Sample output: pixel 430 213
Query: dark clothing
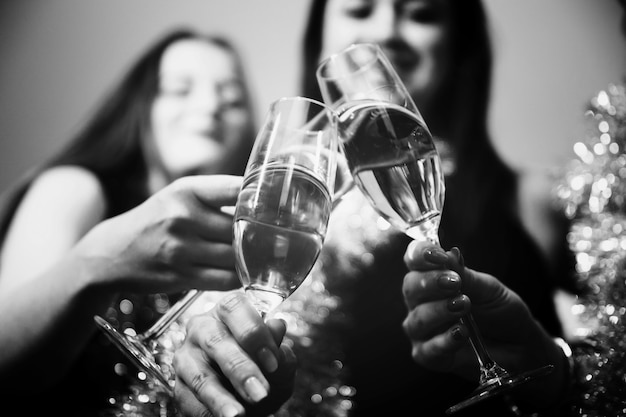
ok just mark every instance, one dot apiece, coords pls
pixel 384 374
pixel 102 377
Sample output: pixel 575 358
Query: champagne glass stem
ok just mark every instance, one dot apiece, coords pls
pixel 173 313
pixel 489 369
pixel 494 379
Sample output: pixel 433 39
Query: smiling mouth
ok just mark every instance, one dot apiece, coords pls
pixel 402 61
pixel 209 133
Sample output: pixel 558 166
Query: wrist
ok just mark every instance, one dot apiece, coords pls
pixel 92 274
pixel 568 365
pixel 551 391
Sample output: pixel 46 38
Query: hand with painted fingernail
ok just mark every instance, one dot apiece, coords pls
pixel 435 303
pixel 439 290
pixel 232 363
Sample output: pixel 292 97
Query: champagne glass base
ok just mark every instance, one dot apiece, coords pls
pixel 135 350
pixel 499 385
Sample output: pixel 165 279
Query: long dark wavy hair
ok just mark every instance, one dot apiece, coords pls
pixel 480 173
pixel 111 143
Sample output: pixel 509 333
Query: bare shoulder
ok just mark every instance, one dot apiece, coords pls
pixel 69 192
pixel 61 205
pixel 70 176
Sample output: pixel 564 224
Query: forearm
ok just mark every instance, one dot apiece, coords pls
pixel 46 321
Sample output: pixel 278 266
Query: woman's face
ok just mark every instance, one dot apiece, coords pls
pixel 415 35
pixel 200 121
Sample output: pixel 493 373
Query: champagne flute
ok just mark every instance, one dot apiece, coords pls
pixel 142 349
pixel 299 142
pixel 286 199
pixel 394 161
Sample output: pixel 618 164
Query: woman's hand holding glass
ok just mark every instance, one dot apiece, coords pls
pixel 177 239
pixel 180 238
pixel 232 341
pixel 437 295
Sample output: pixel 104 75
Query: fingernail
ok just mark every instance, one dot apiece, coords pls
pixel 449 281
pixel 411 249
pixel 457 333
pixel 456 252
pixel 435 255
pixel 229 410
pixel 456 304
pixel 268 360
pixel 255 390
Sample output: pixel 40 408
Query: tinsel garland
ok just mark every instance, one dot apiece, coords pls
pixel 592 192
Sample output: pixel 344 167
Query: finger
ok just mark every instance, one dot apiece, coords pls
pixel 480 287
pixel 204 223
pixel 278 328
pixel 215 279
pixel 189 403
pixel 420 287
pixel 287 365
pixel 249 330
pixel 227 355
pixel 199 388
pixel 213 190
pixel 439 352
pixel 215 226
pixel 186 403
pixel 456 261
pixel 282 382
pixel 424 256
pixel 210 255
pixel 430 318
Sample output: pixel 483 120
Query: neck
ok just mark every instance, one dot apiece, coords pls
pixel 157 180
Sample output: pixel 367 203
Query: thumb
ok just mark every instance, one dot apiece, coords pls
pixel 480 287
pixel 213 190
pixel 278 329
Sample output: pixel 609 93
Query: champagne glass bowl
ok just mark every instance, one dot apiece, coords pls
pixel 282 212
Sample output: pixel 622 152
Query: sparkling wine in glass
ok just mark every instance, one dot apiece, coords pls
pixel 394 162
pixel 286 199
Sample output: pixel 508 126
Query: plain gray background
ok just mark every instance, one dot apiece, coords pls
pixel 58 58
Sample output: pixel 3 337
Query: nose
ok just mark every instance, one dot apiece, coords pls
pixel 206 101
pixel 382 27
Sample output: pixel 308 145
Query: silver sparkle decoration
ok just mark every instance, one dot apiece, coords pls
pixel 592 192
